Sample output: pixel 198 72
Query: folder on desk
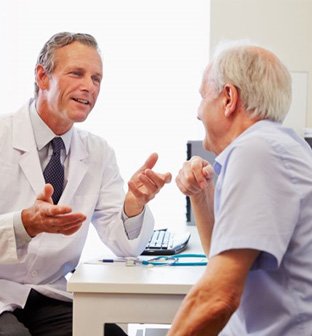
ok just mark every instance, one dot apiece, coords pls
pixel 152 332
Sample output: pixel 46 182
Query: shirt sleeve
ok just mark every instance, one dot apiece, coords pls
pixel 257 203
pixel 21 235
pixel 133 225
pixel 10 251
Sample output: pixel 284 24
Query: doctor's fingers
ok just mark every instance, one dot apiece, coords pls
pixel 59 224
pixel 55 210
pixel 152 182
pixel 70 229
pixel 64 220
pixel 143 192
pixel 43 208
pixel 156 178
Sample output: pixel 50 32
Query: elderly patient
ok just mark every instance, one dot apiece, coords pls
pixel 255 224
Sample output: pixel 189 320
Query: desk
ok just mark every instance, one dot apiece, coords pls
pixel 129 294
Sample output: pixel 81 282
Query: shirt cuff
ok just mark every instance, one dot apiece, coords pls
pixel 21 235
pixel 133 225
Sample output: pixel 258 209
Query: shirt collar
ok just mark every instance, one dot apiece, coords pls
pixel 43 134
pixel 222 157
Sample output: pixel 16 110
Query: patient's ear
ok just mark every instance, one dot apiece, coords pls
pixel 42 78
pixel 230 93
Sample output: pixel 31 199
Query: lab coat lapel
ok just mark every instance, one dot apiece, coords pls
pixel 24 142
pixel 77 167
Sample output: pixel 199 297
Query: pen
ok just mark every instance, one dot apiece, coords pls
pixel 112 260
pixel 129 260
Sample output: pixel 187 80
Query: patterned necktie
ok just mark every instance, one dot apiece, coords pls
pixel 54 171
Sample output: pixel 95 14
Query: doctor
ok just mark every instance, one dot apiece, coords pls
pixel 41 237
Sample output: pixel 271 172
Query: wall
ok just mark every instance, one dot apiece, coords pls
pixel 154 53
pixel 285 27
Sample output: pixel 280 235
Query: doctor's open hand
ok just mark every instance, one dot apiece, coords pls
pixel 143 186
pixel 44 216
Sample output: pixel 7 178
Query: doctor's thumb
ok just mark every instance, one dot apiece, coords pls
pixel 46 194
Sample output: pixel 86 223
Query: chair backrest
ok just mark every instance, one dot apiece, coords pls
pixel 195 147
pixel 309 141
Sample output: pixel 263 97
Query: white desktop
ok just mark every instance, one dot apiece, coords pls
pixel 135 294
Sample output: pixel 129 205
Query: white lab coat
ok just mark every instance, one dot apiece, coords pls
pixel 94 187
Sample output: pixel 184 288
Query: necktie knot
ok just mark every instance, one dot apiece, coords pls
pixel 57 145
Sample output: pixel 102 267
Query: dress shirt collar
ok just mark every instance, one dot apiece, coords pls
pixel 43 134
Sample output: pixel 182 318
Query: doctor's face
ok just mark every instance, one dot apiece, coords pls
pixel 69 93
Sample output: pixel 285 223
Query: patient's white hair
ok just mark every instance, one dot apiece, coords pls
pixel 263 81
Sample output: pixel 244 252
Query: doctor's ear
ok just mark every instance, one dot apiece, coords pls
pixel 42 78
pixel 230 99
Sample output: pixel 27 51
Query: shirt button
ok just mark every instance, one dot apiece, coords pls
pixel 34 274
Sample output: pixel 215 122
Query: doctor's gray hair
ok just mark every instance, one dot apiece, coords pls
pixel 263 82
pixel 59 40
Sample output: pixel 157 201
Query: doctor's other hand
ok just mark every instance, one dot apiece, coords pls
pixel 44 216
pixel 195 176
pixel 143 186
